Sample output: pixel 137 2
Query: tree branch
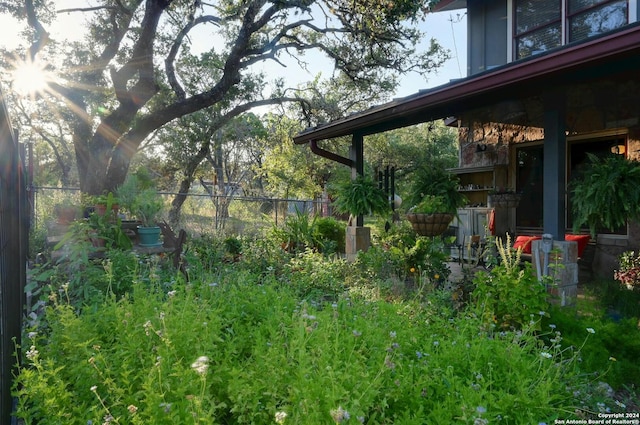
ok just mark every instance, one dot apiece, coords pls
pixel 42 36
pixel 88 9
pixel 169 61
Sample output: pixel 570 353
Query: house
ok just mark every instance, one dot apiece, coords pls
pixel 548 82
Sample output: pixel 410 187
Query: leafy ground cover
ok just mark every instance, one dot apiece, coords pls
pixel 254 334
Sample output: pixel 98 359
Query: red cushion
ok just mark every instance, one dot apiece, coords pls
pixel 582 241
pixel 525 243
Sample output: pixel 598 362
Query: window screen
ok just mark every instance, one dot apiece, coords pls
pixel 533 14
pixel 587 21
pixel 538 26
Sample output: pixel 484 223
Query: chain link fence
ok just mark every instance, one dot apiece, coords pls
pixel 201 213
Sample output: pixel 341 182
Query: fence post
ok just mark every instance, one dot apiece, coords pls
pixel 13 253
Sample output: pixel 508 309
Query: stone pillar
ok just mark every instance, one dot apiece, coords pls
pixel 558 271
pixel 358 239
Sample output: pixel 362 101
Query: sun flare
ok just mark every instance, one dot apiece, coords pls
pixel 30 77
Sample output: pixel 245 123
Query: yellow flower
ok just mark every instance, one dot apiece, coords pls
pixel 412 269
pixel 436 276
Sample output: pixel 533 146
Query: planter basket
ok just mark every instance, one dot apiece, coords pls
pixel 430 224
pixel 504 200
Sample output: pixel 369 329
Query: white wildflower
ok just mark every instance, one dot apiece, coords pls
pixel 546 355
pixel 591 330
pixel 201 365
pixel 147 327
pixel 280 417
pixel 32 354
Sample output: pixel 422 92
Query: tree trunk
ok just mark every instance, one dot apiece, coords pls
pixel 185 184
pixel 176 205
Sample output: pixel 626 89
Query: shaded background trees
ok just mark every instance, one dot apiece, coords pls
pixel 134 67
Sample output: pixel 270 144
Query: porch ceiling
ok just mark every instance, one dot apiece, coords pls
pixel 592 73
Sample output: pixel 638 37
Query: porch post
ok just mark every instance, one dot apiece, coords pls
pixel 357 163
pixel 555 162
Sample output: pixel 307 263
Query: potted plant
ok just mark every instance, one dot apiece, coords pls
pixel 106 204
pixel 66 212
pixel 435 199
pixel 605 193
pixel 147 206
pixel 142 204
pixel 102 229
pixel 503 198
pixel 431 217
pixel 358 197
pixel 127 193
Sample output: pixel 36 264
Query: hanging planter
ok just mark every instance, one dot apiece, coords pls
pixel 431 217
pixel 433 224
pixel 358 197
pixel 504 200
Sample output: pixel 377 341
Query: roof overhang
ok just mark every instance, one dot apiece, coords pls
pixel 446 5
pixel 609 53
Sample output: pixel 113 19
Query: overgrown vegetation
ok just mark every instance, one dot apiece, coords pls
pixel 254 333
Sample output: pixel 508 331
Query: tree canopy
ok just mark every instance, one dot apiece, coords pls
pixel 138 65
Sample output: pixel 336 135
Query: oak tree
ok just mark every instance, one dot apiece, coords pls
pixel 141 64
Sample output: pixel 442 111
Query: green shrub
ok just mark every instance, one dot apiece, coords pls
pixel 510 295
pixel 205 253
pixel 332 234
pixel 298 233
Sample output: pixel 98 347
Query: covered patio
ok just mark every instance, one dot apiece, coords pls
pixel 578 92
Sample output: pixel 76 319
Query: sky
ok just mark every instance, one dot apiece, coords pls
pixel 449 28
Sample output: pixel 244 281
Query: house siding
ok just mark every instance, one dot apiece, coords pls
pixel 487 29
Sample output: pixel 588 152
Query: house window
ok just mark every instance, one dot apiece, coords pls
pixel 587 18
pixel 530 182
pixel 540 25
